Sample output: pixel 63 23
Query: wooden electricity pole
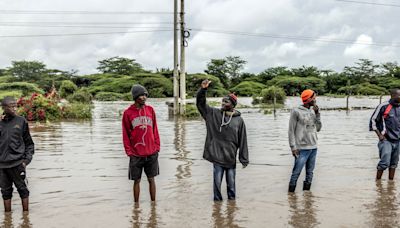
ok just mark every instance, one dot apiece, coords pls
pixel 182 62
pixel 176 65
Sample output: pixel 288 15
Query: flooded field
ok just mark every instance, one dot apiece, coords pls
pixel 79 175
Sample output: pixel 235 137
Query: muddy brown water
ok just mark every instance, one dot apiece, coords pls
pixel 78 177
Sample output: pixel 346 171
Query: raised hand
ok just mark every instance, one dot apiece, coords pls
pixel 205 84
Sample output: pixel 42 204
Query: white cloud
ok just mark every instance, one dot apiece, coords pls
pixel 361 48
pixel 307 18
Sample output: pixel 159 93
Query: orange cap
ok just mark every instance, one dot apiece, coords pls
pixel 307 96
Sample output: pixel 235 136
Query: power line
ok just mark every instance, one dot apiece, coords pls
pixel 369 3
pixel 79 12
pixel 83 34
pixel 76 26
pixel 303 38
pixel 81 23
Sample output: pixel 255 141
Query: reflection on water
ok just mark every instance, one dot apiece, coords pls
pixel 78 177
pixel 224 218
pixel 385 208
pixel 22 222
pixel 183 170
pixel 302 212
pixel 142 219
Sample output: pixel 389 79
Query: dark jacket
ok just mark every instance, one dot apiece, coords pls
pixel 16 145
pixel 389 126
pixel 223 143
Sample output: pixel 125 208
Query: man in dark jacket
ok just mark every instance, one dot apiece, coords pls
pixel 16 150
pixel 226 135
pixel 385 121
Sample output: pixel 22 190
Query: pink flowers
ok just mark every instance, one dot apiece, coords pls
pixel 39 108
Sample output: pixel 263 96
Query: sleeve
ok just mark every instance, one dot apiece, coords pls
pixel 243 149
pixel 155 131
pixel 292 129
pixel 201 103
pixel 318 123
pixel 126 132
pixel 29 145
pixel 376 118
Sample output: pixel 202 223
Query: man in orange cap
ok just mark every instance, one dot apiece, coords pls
pixel 304 123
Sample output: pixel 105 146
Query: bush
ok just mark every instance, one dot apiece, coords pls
pixel 295 85
pixel 248 88
pixel 81 96
pixel 363 89
pixel 115 85
pixel 216 88
pixel 109 96
pixel 191 111
pixel 77 110
pixel 25 87
pixel 157 86
pixel 268 94
pixel 15 94
pixel 5 79
pixel 39 108
pixel 67 88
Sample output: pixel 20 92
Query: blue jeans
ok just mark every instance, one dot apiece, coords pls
pixel 307 158
pixel 389 154
pixel 230 182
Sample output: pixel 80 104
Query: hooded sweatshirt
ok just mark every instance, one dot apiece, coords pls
pixel 303 127
pixel 16 144
pixel 223 141
pixel 140 132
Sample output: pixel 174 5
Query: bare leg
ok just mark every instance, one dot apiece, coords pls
pixel 152 188
pixel 25 204
pixel 7 205
pixel 136 190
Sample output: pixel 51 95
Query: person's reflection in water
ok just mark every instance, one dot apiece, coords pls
pixel 153 216
pixel 303 213
pixel 26 223
pixel 140 219
pixel 184 169
pixel 136 215
pixel 384 210
pixel 227 220
pixel 7 221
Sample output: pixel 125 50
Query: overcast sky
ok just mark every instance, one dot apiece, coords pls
pixel 318 19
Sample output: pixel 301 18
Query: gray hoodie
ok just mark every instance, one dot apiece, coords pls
pixel 303 127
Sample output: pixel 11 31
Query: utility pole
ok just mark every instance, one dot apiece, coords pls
pixel 182 63
pixel 176 73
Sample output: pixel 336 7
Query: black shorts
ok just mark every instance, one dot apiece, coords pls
pixel 16 175
pixel 149 164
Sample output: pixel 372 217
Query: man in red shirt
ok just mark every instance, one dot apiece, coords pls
pixel 141 141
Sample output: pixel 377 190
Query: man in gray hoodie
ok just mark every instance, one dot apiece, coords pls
pixel 226 136
pixel 304 124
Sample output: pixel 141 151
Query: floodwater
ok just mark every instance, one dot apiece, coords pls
pixel 79 176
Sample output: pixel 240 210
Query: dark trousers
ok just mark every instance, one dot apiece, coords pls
pixel 230 174
pixel 16 175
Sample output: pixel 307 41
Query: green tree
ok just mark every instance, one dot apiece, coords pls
pixel 29 71
pixel 217 67
pixel 304 71
pixel 234 65
pixel 390 69
pixel 273 72
pixel 226 69
pixel 119 65
pixel 363 71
